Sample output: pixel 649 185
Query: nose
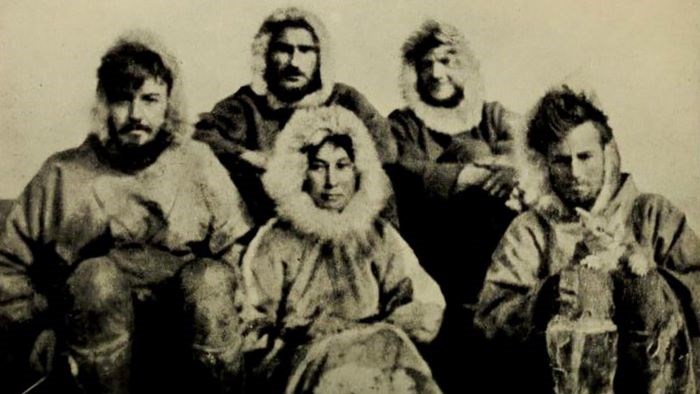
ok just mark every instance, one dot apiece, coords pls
pixel 577 169
pixel 135 110
pixel 438 71
pixel 331 178
pixel 295 58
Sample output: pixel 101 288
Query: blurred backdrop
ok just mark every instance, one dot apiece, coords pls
pixel 640 57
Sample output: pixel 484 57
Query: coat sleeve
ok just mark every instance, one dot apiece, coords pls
pixel 676 247
pixel 228 214
pixel 263 285
pixel 29 229
pixel 507 302
pixel 411 298
pixel 224 129
pixel 437 179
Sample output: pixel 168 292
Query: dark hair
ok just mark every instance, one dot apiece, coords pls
pixel 342 141
pixel 431 34
pixel 126 66
pixel 275 28
pixel 559 111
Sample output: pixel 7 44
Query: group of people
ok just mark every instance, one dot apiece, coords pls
pixel 296 240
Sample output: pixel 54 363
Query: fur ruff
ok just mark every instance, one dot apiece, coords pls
pixel 446 120
pixel 175 117
pixel 537 192
pixel 287 168
pixel 261 43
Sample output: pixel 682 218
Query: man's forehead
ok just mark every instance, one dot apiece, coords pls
pixel 149 85
pixel 440 51
pixel 582 138
pixel 295 35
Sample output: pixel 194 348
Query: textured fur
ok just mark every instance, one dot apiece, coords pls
pixel 446 120
pixel 261 44
pixel 287 167
pixel 175 118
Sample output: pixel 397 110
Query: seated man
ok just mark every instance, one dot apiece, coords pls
pixel 454 175
pixel 607 275
pixel 115 220
pixel 335 296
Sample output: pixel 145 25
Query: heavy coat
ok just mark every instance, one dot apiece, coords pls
pixel 310 269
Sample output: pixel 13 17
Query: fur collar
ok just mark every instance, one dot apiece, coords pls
pixel 446 120
pixel 287 167
pixel 175 118
pixel 260 46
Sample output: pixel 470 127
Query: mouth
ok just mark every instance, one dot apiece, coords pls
pixel 331 197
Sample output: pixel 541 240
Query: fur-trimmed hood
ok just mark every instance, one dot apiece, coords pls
pixel 446 120
pixel 288 164
pixel 537 192
pixel 175 118
pixel 260 46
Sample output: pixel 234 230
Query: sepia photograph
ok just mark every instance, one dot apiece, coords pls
pixel 389 196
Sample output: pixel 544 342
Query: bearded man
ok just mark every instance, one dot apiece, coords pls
pixel 291 69
pixel 452 180
pixel 608 275
pixel 138 218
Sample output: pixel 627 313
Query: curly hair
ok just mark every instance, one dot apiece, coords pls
pixel 559 111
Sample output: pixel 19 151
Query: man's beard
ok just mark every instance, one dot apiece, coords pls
pixel 291 95
pixel 130 157
pixel 451 102
pixel 578 199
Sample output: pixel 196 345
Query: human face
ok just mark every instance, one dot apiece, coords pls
pixel 331 178
pixel 576 166
pixel 292 59
pixel 136 117
pixel 439 77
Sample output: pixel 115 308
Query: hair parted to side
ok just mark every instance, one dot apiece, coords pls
pixel 126 66
pixel 559 111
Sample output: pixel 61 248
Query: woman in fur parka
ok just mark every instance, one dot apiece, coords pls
pixel 334 297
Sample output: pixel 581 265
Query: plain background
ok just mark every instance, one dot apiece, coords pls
pixel 641 57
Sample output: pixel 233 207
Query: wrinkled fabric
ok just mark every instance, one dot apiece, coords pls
pixel 298 287
pixel 513 305
pixel 452 233
pixel 78 207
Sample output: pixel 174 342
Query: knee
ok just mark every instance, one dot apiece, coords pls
pixel 645 303
pixel 206 279
pixel 97 284
pixel 208 289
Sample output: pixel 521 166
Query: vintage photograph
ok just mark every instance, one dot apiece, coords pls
pixel 349 196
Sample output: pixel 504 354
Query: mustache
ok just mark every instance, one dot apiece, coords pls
pixel 292 71
pixel 131 126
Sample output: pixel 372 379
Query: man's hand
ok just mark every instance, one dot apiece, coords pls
pixel 472 175
pixel 501 181
pixel 42 356
pixel 255 158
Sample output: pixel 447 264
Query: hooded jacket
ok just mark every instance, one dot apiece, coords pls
pixel 251 118
pixel 310 268
pixel 543 241
pixel 80 205
pixel 311 262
